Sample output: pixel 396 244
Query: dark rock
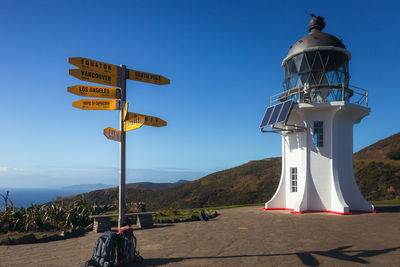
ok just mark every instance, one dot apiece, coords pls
pixel 203 216
pixel 5 241
pixel 195 218
pixel 78 230
pixel 25 239
pixel 47 238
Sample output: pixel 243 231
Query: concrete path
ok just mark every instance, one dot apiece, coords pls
pixel 243 237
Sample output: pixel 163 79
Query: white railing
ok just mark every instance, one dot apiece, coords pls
pixel 318 94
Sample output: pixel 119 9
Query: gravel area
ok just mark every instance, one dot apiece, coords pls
pixel 245 236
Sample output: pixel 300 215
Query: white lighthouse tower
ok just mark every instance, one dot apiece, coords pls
pixel 315 116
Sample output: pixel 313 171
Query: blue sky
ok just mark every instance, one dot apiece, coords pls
pixel 224 62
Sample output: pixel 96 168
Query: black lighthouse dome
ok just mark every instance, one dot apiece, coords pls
pixel 317 60
pixel 315 38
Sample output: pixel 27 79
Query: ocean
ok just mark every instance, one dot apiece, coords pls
pixel 27 197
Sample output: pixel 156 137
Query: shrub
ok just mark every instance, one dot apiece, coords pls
pixel 51 216
pixel 395 155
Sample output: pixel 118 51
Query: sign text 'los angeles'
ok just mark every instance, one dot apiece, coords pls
pixel 95 91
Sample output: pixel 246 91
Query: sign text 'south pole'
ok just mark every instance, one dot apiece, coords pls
pixel 122 146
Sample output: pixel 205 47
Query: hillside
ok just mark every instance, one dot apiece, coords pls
pixel 149 185
pixel 256 181
pixel 252 182
pixel 378 177
pixel 380 149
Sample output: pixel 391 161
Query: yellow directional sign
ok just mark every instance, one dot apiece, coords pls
pixel 93 65
pixel 135 123
pixel 125 111
pixel 95 91
pixel 112 134
pixel 147 77
pixel 95 77
pixel 96 104
pixel 148 120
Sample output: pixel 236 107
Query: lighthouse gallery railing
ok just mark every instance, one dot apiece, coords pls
pixel 318 94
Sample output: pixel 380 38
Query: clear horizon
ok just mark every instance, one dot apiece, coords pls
pixel 224 62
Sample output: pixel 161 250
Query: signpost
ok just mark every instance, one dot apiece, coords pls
pixel 112 134
pixel 97 104
pixel 148 120
pixel 94 65
pixel 122 149
pixel 133 124
pixel 125 111
pixel 95 91
pixel 95 77
pixel 147 77
pixel 113 75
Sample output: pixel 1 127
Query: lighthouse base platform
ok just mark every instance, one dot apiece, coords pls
pixel 317 163
pixel 352 212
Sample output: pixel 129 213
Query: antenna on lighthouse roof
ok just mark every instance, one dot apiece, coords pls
pixel 316 23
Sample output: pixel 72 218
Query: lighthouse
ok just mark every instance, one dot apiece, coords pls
pixel 315 115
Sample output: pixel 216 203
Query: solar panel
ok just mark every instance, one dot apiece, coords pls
pixel 277 113
pixel 267 114
pixel 287 106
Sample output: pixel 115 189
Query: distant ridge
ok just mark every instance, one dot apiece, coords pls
pixel 139 185
pixel 149 185
pixel 86 187
pixel 256 181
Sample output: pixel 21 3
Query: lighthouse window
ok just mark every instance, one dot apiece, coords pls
pixel 318 133
pixel 293 180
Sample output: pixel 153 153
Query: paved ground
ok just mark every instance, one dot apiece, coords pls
pixel 243 237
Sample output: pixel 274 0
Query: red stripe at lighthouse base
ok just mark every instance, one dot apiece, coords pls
pixel 328 211
pixel 276 209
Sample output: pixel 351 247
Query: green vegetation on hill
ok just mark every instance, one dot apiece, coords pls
pixel 378 179
pixel 256 181
pixel 394 155
pixel 149 185
pixel 377 173
pixel 380 149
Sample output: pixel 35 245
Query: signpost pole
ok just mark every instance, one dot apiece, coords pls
pixel 122 146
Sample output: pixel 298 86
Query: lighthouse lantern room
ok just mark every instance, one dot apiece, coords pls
pixel 315 115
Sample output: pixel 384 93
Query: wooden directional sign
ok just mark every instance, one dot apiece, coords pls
pixel 96 104
pixel 95 77
pixel 148 120
pixel 93 65
pixel 112 134
pixel 125 111
pixel 147 77
pixel 95 91
pixel 135 123
pixel 104 73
